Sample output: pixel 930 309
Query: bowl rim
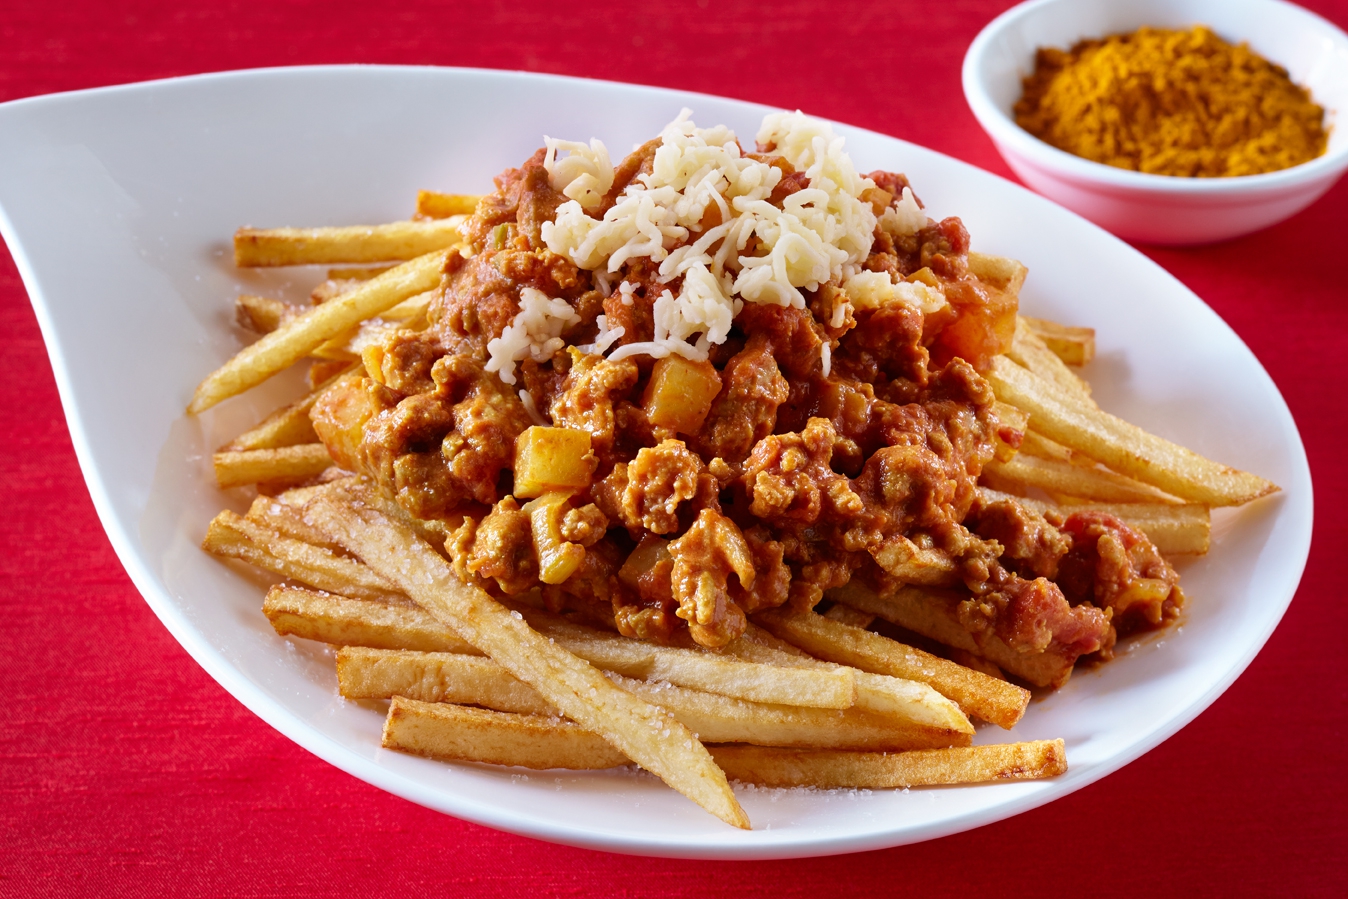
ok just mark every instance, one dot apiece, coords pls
pixel 1067 166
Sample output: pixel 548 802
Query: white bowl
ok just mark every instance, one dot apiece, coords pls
pixel 1160 209
pixel 144 184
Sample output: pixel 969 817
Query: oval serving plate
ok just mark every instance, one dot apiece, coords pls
pixel 118 205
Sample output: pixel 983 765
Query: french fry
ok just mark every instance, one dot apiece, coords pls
pixel 434 205
pixel 1075 346
pixel 1029 350
pixel 321 371
pixel 447 677
pixel 935 614
pixel 357 274
pixel 366 673
pixel 1068 479
pixel 724 719
pixel 233 536
pixel 832 688
pixel 1001 272
pixel 890 770
pixel 333 619
pixel 411 309
pixel 845 614
pixel 298 337
pixel 1036 444
pixel 234 468
pixel 880 694
pixel 341 621
pixel 455 733
pixel 642 732
pixel 977 694
pixel 288 426
pixel 262 314
pixel 1124 447
pixel 352 245
pixel 348 346
pixel 287 520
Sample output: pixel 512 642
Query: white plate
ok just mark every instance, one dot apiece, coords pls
pixel 118 206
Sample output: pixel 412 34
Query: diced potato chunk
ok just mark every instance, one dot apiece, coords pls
pixel 680 393
pixel 552 459
pixel 557 559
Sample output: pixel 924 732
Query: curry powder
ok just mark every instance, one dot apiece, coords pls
pixel 1166 102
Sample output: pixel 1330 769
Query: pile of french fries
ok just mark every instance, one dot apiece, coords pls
pixel 803 699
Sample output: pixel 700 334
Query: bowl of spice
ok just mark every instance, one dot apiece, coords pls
pixel 1165 121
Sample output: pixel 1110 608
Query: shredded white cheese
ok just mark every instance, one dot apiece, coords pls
pixel 703 216
pixel 536 332
pixel 754 252
pixel 584 175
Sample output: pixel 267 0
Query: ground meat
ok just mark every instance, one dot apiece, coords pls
pixel 502 548
pixel 886 343
pixel 1031 546
pixel 585 399
pixel 639 162
pixel 586 525
pixel 746 410
pixel 772 580
pixel 797 480
pixel 482 297
pixel 788 476
pixel 658 480
pixel 704 558
pixel 1118 568
pixel 1032 616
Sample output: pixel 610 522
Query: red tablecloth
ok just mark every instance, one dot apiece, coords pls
pixel 124 769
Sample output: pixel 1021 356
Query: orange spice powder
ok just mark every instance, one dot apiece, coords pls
pixel 1183 103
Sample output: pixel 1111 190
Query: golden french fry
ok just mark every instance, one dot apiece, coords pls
pixel 845 614
pixel 286 463
pixel 357 274
pixel 349 345
pixel 300 336
pixel 880 694
pixel 262 314
pixel 1001 272
pixel 1066 478
pixel 1124 447
pixel 233 536
pixel 288 426
pixel 881 770
pixel 981 696
pixel 825 688
pixel 351 245
pixel 435 205
pixel 455 733
pixel 287 520
pixel 935 614
pixel 367 673
pixel 642 732
pixel 448 677
pixel 1075 346
pixel 411 310
pixel 1036 444
pixel 1029 350
pixel 341 621
pixel 334 619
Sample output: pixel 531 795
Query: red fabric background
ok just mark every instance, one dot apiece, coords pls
pixel 124 770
